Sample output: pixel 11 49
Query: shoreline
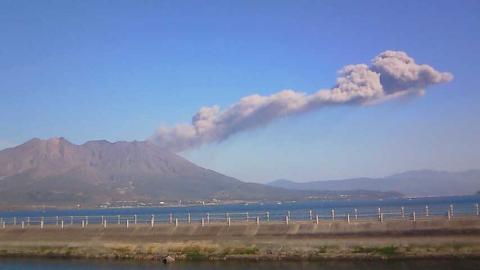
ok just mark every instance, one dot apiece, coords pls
pixel 251 258
pixel 94 207
pixel 300 241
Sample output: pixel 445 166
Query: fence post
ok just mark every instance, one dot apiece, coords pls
pixel 14 220
pixel 135 219
pixel 118 219
pixel 126 222
pixel 105 223
pixel 170 218
pixel 61 222
pixel 3 224
pixel 176 222
pixel 402 212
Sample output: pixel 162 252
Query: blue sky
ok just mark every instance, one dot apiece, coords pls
pixel 119 70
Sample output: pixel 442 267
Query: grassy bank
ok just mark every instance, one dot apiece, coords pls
pixel 299 241
pixel 260 251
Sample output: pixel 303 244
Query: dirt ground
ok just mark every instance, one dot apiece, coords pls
pixel 273 241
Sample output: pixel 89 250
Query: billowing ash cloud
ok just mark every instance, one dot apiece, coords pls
pixel 392 74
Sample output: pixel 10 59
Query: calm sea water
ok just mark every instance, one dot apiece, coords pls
pixel 51 264
pixel 438 206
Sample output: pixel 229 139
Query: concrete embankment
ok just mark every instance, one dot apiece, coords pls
pixel 268 241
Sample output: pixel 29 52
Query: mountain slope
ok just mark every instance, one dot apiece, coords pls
pixel 56 171
pixel 411 183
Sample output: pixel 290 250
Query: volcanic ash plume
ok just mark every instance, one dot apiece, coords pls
pixel 392 74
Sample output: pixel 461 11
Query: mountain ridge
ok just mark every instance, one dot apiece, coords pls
pixel 56 172
pixel 413 183
pixel 122 170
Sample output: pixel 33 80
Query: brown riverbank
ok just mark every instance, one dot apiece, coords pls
pixel 437 238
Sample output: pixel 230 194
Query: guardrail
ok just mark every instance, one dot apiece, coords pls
pixel 254 217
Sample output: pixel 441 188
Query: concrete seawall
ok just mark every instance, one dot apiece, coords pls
pixel 299 240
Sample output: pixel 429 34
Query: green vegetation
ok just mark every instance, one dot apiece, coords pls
pixel 192 253
pixel 382 251
pixel 322 249
pixel 195 255
pixel 204 252
pixel 264 252
pixel 241 251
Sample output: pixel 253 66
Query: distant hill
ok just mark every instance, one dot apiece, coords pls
pixel 411 183
pixel 57 172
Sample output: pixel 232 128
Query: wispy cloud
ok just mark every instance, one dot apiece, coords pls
pixel 391 74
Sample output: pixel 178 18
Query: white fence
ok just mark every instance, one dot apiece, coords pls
pixel 227 218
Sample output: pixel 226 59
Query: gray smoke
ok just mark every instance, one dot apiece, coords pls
pixel 392 74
